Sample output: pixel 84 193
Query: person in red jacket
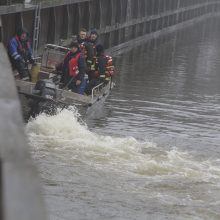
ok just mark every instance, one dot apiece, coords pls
pixel 74 68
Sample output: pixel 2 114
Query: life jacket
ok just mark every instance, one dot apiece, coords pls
pixel 20 47
pixel 23 47
pixel 109 67
pixel 73 65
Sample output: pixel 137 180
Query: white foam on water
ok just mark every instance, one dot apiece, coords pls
pixel 66 136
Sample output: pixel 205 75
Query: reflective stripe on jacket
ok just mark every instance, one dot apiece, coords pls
pixel 104 66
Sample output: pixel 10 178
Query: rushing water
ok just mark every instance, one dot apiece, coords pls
pixel 153 152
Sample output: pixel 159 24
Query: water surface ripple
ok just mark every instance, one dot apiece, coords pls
pixel 154 151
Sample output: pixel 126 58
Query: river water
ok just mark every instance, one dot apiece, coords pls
pixel 153 150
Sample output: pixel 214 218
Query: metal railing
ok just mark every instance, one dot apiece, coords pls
pixel 96 89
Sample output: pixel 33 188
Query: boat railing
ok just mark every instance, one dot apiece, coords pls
pixel 96 89
pixel 56 47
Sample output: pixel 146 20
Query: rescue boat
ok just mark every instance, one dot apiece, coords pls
pixel 43 92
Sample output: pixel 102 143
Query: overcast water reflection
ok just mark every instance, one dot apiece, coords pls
pixel 153 152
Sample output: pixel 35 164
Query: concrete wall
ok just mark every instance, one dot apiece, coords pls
pixel 118 21
pixel 20 192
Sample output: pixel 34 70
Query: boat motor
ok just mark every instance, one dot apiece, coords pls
pixel 45 88
pixel 43 100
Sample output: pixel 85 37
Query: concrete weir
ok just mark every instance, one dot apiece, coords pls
pixel 121 23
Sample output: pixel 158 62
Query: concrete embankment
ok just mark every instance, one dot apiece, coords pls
pixel 20 191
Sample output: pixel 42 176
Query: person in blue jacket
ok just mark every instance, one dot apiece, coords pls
pixel 20 52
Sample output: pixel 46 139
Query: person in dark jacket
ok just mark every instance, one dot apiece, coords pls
pixel 105 68
pixel 93 41
pixel 100 69
pixel 74 68
pixel 20 52
pixel 93 38
pixel 88 51
pixel 101 61
pixel 82 36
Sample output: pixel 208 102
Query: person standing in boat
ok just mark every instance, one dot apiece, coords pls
pixel 83 43
pixel 104 64
pixel 82 36
pixel 20 52
pixel 93 41
pixel 103 69
pixel 86 47
pixel 93 38
pixel 74 68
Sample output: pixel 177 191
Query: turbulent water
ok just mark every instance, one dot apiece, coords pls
pixel 152 151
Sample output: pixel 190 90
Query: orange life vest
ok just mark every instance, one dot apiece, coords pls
pixel 73 65
pixel 109 67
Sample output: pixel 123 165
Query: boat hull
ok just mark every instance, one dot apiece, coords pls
pixel 33 105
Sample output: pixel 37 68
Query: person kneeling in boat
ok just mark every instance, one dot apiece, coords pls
pixel 74 68
pixel 20 52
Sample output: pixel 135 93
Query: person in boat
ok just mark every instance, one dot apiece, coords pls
pixel 86 47
pixel 20 53
pixel 93 38
pixel 73 69
pixel 82 36
pixel 103 69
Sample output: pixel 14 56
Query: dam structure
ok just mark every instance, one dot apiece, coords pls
pixel 122 24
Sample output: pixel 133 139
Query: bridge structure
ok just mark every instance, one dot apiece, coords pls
pixel 120 23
